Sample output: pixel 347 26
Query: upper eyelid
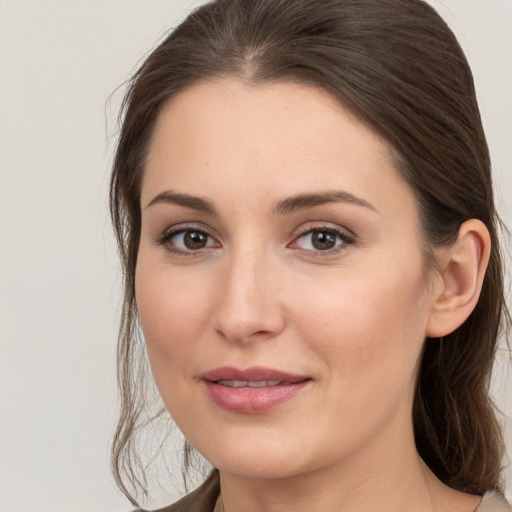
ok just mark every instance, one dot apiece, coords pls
pixel 186 226
pixel 307 227
pixel 164 240
pixel 347 237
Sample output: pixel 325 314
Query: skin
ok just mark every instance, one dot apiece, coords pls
pixel 260 293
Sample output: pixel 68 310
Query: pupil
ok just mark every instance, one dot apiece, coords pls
pixel 323 240
pixel 195 240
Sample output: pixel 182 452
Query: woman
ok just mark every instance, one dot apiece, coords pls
pixel 303 203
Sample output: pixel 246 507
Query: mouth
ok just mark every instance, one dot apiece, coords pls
pixel 251 383
pixel 253 390
pixel 258 375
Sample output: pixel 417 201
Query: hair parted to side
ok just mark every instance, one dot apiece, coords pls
pixel 398 67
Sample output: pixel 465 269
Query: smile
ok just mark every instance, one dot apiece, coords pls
pixel 252 391
pixel 250 384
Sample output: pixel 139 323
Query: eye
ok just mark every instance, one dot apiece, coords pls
pixel 187 240
pixel 322 239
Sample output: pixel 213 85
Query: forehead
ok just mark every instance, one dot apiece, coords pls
pixel 271 139
pixel 292 109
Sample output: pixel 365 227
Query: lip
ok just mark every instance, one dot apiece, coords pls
pixel 252 400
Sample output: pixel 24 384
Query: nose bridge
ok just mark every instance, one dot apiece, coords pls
pixel 248 304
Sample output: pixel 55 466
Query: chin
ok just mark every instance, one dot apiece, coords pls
pixel 252 455
pixel 261 468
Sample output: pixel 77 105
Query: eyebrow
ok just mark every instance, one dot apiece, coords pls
pixel 307 201
pixel 284 207
pixel 188 201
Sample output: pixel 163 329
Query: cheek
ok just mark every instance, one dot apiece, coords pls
pixel 368 327
pixel 173 314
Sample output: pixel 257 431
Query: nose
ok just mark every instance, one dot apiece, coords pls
pixel 249 306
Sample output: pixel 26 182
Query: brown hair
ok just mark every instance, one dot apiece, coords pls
pixel 400 69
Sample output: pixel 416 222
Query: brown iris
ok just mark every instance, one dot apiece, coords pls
pixel 323 240
pixel 195 240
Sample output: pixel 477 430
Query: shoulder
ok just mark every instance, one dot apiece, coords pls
pixel 493 502
pixel 203 499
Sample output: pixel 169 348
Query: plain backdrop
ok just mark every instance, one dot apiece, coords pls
pixel 60 61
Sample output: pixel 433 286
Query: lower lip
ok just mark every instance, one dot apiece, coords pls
pixel 249 400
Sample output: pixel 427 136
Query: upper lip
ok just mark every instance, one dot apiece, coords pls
pixel 252 374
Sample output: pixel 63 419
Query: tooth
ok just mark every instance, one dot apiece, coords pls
pixel 251 384
pixel 257 383
pixel 228 383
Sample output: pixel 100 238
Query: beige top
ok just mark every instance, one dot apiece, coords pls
pixel 206 499
pixel 491 502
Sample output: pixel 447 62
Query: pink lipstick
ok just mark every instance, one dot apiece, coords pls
pixel 253 390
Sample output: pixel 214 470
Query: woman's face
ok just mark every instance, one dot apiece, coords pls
pixel 280 279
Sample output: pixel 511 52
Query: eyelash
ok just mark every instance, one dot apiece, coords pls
pixel 165 237
pixel 345 238
pixel 340 235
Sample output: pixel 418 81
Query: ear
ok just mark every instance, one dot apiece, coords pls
pixel 460 279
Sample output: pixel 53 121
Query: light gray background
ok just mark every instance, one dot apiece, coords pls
pixel 59 276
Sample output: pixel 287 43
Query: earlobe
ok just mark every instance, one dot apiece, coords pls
pixel 461 276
